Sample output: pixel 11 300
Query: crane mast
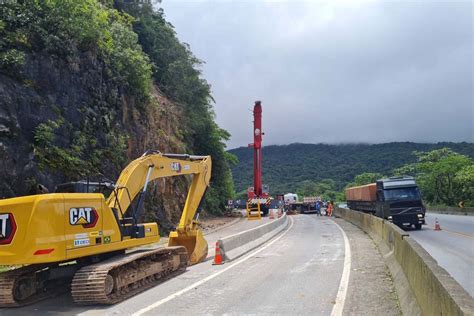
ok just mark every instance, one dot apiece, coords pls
pixel 258 194
pixel 257 148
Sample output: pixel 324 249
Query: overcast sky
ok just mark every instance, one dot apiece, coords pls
pixel 335 71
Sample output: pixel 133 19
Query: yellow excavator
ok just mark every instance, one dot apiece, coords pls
pixel 78 238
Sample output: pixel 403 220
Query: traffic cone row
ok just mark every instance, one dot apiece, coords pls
pixel 437 226
pixel 218 258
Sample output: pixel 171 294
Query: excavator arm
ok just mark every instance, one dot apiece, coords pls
pixel 133 182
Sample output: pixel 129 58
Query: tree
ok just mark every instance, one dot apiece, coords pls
pixel 306 188
pixel 366 178
pixel 464 179
pixel 177 73
pixel 442 175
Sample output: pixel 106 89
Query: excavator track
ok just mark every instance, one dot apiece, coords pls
pixel 120 277
pixel 15 285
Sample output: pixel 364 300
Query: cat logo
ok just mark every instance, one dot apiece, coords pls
pixel 85 216
pixel 176 166
pixel 7 228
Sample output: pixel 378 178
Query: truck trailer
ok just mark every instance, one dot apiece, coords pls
pixel 309 204
pixel 396 199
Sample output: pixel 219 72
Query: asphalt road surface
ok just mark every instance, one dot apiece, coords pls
pixel 452 246
pixel 306 269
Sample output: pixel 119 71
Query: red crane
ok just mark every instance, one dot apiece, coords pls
pixel 258 193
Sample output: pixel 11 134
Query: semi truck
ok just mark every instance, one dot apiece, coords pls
pixel 396 199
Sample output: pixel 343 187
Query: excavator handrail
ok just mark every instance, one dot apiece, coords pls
pixel 184 156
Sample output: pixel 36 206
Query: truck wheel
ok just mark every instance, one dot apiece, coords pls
pixel 418 226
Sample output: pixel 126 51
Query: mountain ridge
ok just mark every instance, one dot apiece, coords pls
pixel 286 166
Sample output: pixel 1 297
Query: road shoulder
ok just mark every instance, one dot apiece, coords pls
pixel 371 290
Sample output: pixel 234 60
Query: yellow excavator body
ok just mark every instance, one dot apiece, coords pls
pixel 60 227
pixel 47 230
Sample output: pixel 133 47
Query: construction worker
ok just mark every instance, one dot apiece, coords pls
pixel 330 208
pixel 318 207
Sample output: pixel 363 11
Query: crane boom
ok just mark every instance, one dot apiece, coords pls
pixel 258 194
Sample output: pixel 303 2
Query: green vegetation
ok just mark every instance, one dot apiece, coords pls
pixel 365 178
pixel 176 70
pixel 326 170
pixel 65 29
pixel 444 176
pixel 111 58
pixel 326 189
pixel 84 156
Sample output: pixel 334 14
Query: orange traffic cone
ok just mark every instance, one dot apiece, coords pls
pixel 437 227
pixel 218 257
pixel 272 216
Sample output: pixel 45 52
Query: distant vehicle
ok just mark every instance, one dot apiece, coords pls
pixel 290 198
pixel 240 204
pixel 309 204
pixel 396 199
pixel 342 205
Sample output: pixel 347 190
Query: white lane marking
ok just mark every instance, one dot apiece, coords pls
pixel 210 277
pixel 343 285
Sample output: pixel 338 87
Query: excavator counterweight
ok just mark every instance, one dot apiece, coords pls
pixel 81 236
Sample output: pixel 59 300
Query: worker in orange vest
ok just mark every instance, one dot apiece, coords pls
pixel 330 208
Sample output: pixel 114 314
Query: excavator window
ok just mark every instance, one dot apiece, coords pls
pixel 85 187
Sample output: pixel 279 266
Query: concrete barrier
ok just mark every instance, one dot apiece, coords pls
pixel 238 244
pixel 424 288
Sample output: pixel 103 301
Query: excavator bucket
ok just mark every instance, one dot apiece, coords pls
pixel 194 243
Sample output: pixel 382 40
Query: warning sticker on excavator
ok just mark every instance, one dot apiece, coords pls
pixel 107 240
pixel 176 166
pixel 95 234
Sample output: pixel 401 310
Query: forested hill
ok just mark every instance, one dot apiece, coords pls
pixel 88 85
pixel 286 167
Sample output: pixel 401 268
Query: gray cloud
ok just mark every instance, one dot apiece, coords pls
pixel 335 71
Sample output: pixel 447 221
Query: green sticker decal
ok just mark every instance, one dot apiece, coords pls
pixel 106 239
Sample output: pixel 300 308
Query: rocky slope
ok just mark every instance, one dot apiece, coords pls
pixel 79 98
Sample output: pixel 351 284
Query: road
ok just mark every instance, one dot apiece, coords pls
pixel 452 247
pixel 303 270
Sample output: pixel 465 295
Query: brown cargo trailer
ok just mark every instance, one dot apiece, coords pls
pixel 366 192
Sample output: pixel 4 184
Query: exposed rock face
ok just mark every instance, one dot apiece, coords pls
pixel 79 93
